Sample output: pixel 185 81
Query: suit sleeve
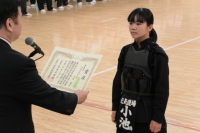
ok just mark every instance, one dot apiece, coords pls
pixel 31 88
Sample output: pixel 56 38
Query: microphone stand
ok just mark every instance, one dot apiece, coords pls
pixel 32 54
pixel 35 52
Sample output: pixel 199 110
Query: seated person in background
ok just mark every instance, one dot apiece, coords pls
pixel 41 5
pixel 64 2
pixel 32 3
pixel 90 1
pixel 87 2
pixel 24 9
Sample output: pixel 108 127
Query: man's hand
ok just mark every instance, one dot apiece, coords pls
pixel 82 95
pixel 155 127
pixel 113 116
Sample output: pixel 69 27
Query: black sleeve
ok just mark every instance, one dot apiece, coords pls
pixel 31 88
pixel 116 88
pixel 161 81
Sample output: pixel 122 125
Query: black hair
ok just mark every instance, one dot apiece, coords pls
pixel 8 9
pixel 143 15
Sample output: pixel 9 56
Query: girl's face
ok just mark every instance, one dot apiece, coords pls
pixel 139 31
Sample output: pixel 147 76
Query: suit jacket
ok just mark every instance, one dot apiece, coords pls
pixel 21 86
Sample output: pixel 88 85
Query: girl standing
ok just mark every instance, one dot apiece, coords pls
pixel 141 85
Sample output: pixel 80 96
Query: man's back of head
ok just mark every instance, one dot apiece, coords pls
pixel 8 9
pixel 10 20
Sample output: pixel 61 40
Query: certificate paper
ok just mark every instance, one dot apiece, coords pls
pixel 69 70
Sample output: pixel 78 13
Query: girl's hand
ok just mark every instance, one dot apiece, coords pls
pixel 113 116
pixel 155 127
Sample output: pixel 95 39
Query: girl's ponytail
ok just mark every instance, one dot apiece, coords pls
pixel 153 35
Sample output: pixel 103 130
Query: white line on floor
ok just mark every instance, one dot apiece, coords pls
pixel 108 19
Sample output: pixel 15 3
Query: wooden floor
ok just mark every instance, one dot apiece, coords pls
pixel 103 29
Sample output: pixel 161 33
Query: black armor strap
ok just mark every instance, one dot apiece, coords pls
pixel 136 94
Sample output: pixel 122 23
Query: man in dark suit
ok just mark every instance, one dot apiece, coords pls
pixel 20 84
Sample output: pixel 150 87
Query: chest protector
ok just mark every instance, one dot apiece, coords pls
pixel 136 77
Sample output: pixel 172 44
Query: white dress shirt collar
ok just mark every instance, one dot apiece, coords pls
pixel 5 40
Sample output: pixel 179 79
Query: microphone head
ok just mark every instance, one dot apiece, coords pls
pixel 29 41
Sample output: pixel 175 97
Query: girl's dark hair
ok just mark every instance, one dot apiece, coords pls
pixel 8 9
pixel 143 15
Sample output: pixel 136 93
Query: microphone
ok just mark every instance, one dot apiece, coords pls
pixel 29 41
